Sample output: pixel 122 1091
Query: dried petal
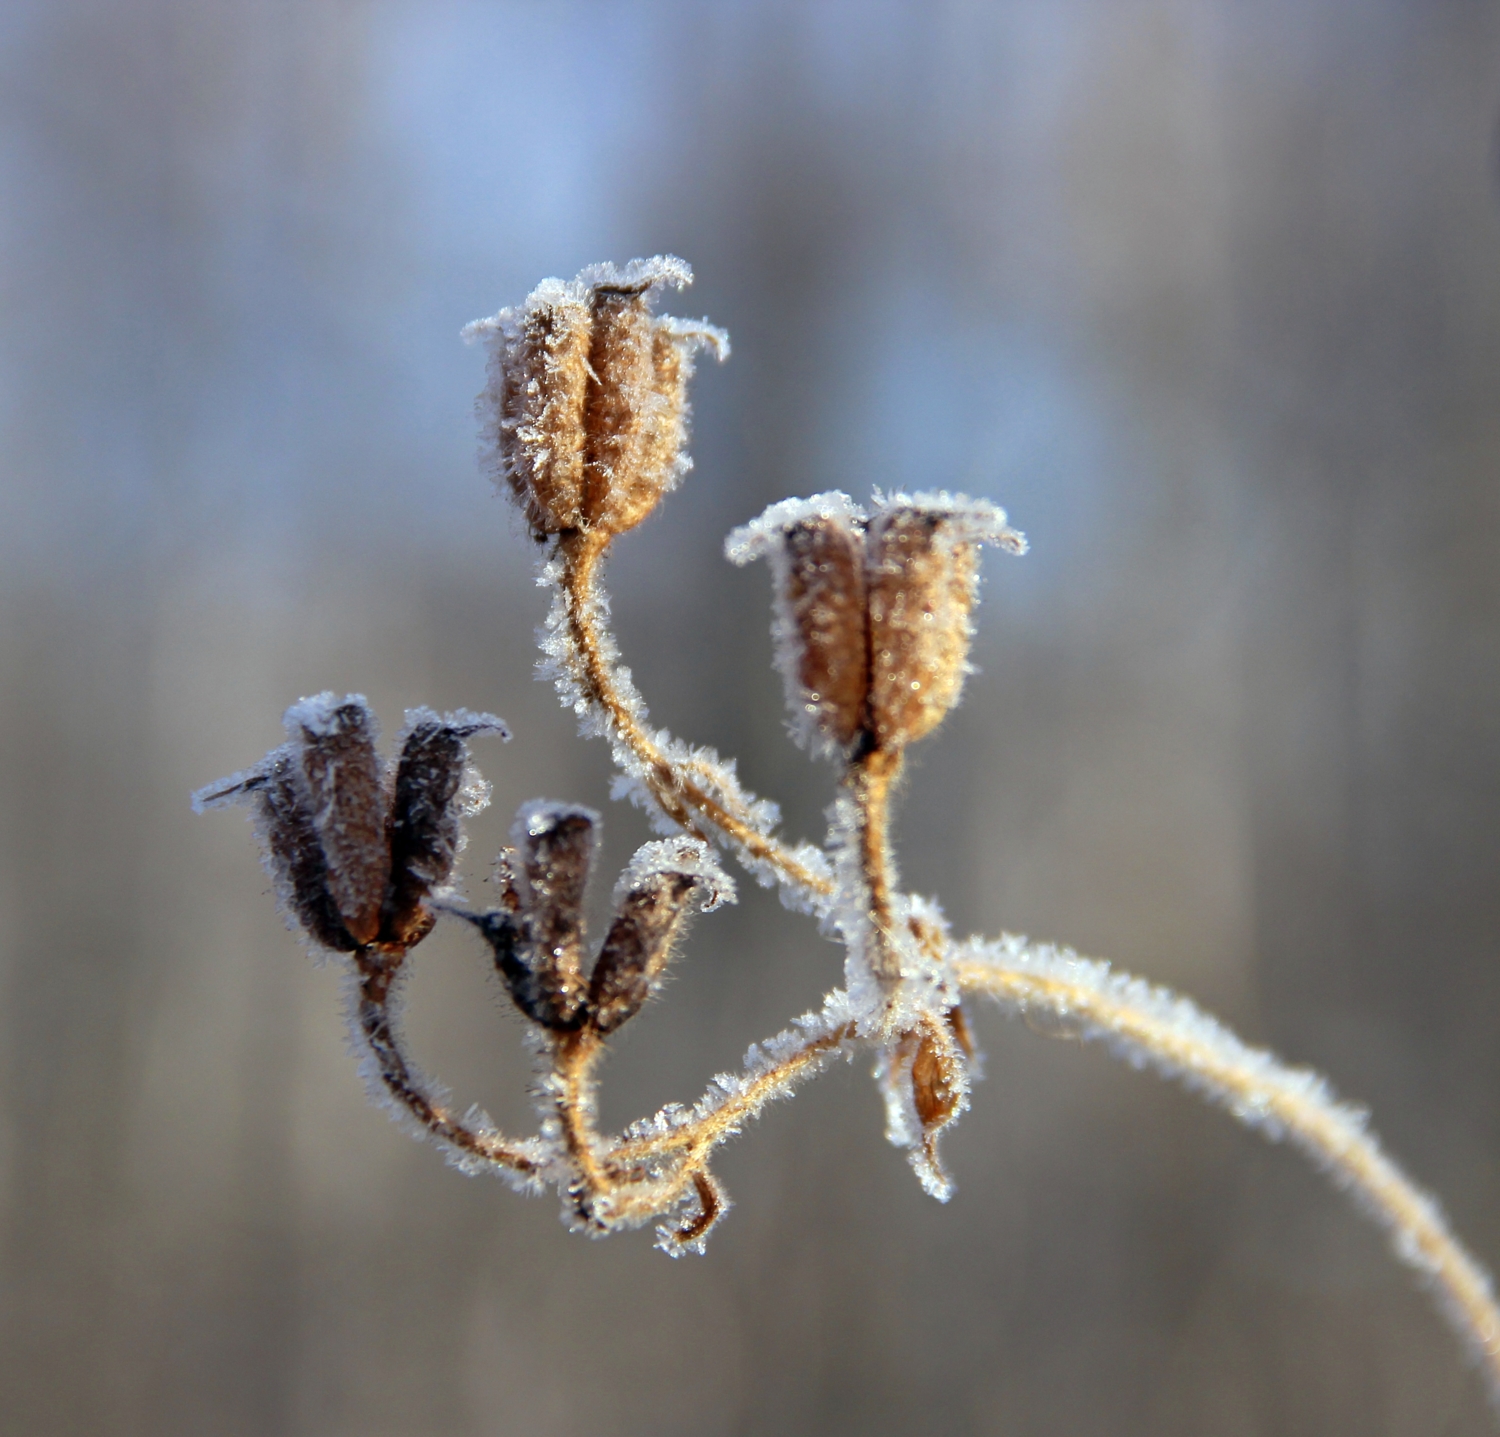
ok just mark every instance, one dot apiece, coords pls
pixel 347 800
pixel 925 1080
pixel 936 1082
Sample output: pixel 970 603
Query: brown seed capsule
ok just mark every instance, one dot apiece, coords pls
pixel 294 853
pixel 556 845
pixel 637 948
pixel 588 395
pixel 936 1081
pixel 618 414
pixel 423 827
pixel 537 937
pixel 347 800
pixel 825 598
pixel 922 573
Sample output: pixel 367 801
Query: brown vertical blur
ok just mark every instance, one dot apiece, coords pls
pixel 1207 294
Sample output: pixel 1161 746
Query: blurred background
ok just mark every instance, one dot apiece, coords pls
pixel 1205 293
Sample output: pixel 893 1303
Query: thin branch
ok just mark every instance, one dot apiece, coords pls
pixel 684 801
pixel 376 976
pixel 1150 1025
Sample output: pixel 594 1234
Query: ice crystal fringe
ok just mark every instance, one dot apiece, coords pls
pixel 1149 1026
pixel 586 416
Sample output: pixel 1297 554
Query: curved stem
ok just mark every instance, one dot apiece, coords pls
pixel 681 799
pixel 1144 1022
pixel 574 1059
pixel 376 976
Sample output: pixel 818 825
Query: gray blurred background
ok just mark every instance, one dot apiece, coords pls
pixel 1205 292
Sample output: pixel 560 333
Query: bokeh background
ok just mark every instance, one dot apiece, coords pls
pixel 1206 293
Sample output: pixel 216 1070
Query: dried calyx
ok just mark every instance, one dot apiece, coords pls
pixel 537 934
pixel 586 408
pixel 872 610
pixel 356 845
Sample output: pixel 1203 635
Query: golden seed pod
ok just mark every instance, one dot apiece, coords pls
pixel 588 396
pixel 922 574
pixel 542 372
pixel 872 614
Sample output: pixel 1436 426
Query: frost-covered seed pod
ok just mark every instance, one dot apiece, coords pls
pixel 588 396
pixel 347 799
pixel 922 574
pixel 936 1082
pixel 637 948
pixel 663 882
pixel 872 614
pixel 537 938
pixel 423 828
pixel 556 847
pixel 619 413
pixel 816 549
pixel 824 592
pixel 293 850
pixel 541 372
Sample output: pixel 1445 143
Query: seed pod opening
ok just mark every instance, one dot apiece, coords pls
pixel 922 574
pixel 347 798
pixel 586 403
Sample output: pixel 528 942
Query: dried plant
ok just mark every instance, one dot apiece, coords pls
pixel 586 416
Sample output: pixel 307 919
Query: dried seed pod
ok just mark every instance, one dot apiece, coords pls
pixel 936 1079
pixel 293 851
pixel 664 882
pixel 347 799
pixel 555 842
pixel 423 827
pixel 618 413
pixel 541 372
pixel 537 937
pixel 587 394
pixel 530 983
pixel 925 1080
pixel 922 574
pixel 637 948
pixel 816 548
